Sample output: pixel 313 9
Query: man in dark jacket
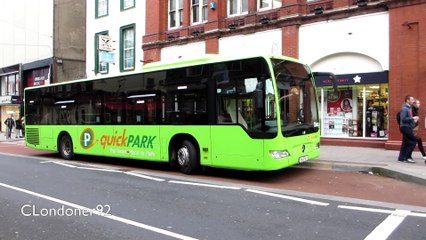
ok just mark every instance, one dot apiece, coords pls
pixel 10 124
pixel 406 125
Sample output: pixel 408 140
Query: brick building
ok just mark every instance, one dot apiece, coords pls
pixel 374 47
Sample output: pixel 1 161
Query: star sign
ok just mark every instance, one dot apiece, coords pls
pixel 357 79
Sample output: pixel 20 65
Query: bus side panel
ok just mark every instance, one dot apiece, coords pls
pixel 139 142
pixel 91 139
pixel 299 148
pixel 136 142
pixel 40 137
pixel 304 146
pixel 201 134
pixel 233 148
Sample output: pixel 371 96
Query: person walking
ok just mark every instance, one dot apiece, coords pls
pixel 18 123
pixel 407 123
pixel 10 124
pixel 416 107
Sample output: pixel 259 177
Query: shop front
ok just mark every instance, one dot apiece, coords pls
pixel 358 109
pixel 10 99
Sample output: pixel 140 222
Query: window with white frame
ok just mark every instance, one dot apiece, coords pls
pixel 269 4
pixel 236 7
pixel 199 11
pixel 127 48
pixel 126 4
pixel 175 13
pixel 101 8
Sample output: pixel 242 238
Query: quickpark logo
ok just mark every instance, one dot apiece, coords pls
pixel 88 140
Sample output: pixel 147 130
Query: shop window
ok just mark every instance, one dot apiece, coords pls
pixel 376 111
pixel 355 111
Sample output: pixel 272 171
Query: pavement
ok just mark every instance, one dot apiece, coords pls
pixel 375 161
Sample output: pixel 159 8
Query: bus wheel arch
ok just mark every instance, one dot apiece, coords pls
pixel 65 146
pixel 184 153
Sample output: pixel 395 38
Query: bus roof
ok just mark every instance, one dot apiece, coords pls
pixel 162 65
pixel 208 58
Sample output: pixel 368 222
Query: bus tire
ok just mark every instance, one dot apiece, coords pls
pixel 66 148
pixel 187 157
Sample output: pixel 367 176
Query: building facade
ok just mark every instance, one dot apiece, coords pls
pixel 38 49
pixel 374 47
pixel 22 40
pixel 114 37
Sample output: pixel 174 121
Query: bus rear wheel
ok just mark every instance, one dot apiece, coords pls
pixel 66 147
pixel 187 157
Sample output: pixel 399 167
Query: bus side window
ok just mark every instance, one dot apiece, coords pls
pixel 223 116
pixel 236 117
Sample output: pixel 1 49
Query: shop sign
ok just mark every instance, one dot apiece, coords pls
pixel 5 99
pixel 355 79
pixel 10 100
pixel 107 57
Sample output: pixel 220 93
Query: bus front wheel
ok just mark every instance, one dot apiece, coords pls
pixel 66 147
pixel 187 157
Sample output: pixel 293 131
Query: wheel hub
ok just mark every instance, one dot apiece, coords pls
pixel 183 156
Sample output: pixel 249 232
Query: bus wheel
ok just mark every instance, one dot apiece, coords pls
pixel 66 147
pixel 187 157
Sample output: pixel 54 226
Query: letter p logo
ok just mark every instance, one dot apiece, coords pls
pixel 87 138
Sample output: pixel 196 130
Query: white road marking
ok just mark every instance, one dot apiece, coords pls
pixel 204 185
pixel 100 169
pixel 64 164
pixel 414 214
pixel 385 229
pixel 105 170
pixel 388 211
pixel 84 168
pixel 145 176
pixel 366 209
pixel 112 217
pixel 288 197
pixel 46 162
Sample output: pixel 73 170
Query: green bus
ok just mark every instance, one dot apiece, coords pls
pixel 247 113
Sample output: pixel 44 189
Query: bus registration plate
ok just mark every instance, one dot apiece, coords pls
pixel 303 159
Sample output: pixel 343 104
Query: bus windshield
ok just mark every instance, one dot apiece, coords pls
pixel 297 101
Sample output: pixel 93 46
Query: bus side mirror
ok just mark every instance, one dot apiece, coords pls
pixel 327 75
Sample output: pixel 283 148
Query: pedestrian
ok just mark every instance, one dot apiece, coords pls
pixel 10 124
pixel 415 108
pixel 406 125
pixel 18 123
pixel 23 126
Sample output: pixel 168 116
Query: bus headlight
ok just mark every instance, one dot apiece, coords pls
pixel 278 154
